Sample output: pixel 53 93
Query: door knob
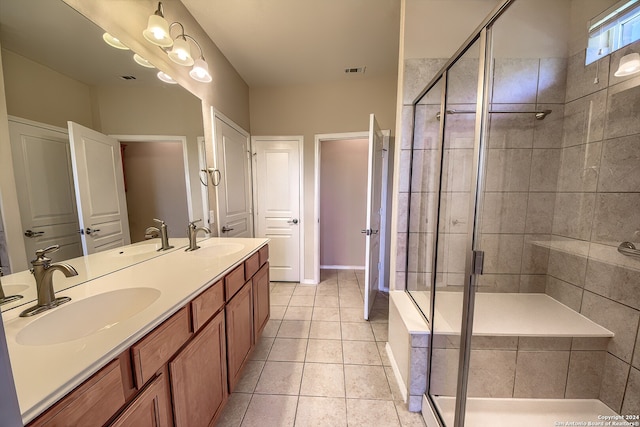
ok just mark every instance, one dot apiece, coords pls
pixel 33 234
pixel 92 230
pixel 293 221
pixel 225 229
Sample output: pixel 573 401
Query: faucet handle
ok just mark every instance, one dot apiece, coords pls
pixel 41 259
pixel 193 223
pixel 40 253
pixel 159 221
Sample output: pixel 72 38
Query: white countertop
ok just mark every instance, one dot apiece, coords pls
pixel 45 373
pixel 88 268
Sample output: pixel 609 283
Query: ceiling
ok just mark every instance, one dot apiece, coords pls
pixel 294 42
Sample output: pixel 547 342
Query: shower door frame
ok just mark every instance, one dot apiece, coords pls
pixel 473 257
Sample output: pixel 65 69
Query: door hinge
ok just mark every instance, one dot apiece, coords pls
pixel 478 262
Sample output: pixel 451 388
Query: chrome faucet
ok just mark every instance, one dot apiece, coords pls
pixel 161 232
pixel 3 298
pixel 43 273
pixel 192 232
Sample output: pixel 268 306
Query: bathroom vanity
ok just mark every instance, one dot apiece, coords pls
pixel 159 343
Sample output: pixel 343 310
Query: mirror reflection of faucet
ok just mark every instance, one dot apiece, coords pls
pixel 161 232
pixel 43 273
pixel 192 232
pixel 4 299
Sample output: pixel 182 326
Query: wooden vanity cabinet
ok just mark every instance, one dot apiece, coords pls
pixel 151 408
pixel 182 372
pixel 261 301
pixel 91 404
pixel 240 340
pixel 199 377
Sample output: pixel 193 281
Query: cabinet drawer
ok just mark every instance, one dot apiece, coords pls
pixel 251 266
pixel 207 304
pixel 155 350
pixel 91 404
pixel 264 254
pixel 233 282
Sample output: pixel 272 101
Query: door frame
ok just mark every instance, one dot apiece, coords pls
pixel 166 138
pixel 319 139
pixel 300 140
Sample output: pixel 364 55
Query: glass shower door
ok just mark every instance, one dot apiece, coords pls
pixel 453 241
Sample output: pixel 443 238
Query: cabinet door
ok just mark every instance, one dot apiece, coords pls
pixel 199 377
pixel 239 317
pixel 91 404
pixel 260 300
pixel 150 408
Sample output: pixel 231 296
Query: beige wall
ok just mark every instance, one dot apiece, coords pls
pixel 38 93
pixel 154 175
pixel 343 202
pixel 315 109
pixel 166 110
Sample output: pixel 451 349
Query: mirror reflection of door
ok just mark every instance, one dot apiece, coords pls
pixel 99 186
pixel 44 182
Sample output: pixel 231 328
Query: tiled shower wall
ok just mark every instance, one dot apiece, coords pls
pixel 598 203
pixel 523 161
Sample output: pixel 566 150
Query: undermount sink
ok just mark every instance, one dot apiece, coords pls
pixel 88 316
pixel 219 249
pixel 134 250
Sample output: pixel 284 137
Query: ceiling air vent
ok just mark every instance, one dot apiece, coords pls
pixel 128 77
pixel 355 70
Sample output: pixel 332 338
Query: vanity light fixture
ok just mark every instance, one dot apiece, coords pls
pixel 158 32
pixel 141 61
pixel 113 42
pixel 166 78
pixel 629 64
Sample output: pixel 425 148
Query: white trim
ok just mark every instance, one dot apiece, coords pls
pixel 38 124
pixel 428 415
pixel 300 139
pixel 227 120
pixel 204 189
pixel 319 138
pixel 342 267
pixel 384 260
pixel 185 158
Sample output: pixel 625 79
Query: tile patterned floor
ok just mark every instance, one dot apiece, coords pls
pixel 319 363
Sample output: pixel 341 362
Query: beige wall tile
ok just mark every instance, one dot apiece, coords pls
pixel 552 80
pixel 619 319
pixel 504 212
pixel 507 89
pixel 508 170
pixel 492 373
pixel 568 267
pixel 620 159
pixel 615 219
pixel 574 215
pixel 544 343
pixel 540 209
pixel 585 374
pixel 541 374
pixel 579 168
pixel 584 119
pixel 631 402
pixel 623 109
pixel 614 282
pixel 614 380
pixel 545 168
pixel 548 132
pixel 581 77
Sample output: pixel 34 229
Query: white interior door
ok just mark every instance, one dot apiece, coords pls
pixel 233 191
pixel 372 230
pixel 44 183
pixel 98 174
pixel 277 189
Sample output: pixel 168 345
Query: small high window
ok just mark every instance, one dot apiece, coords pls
pixel 613 29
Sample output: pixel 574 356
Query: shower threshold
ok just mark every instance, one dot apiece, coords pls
pixel 483 412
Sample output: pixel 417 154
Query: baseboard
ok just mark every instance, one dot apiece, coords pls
pixel 396 372
pixel 308 282
pixel 342 267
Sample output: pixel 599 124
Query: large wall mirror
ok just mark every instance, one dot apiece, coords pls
pixel 57 69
